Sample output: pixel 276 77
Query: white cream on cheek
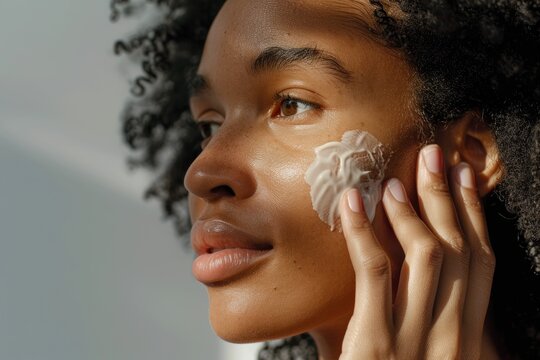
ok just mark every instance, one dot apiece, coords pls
pixel 357 161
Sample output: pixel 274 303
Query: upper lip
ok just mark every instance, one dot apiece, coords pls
pixel 207 235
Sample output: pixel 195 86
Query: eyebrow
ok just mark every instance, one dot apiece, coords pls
pixel 279 59
pixel 196 83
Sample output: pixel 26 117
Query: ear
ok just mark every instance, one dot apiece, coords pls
pixel 469 139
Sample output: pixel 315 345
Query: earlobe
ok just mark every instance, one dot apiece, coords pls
pixel 469 139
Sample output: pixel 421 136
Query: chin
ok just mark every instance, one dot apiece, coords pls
pixel 237 317
pixel 239 331
pixel 244 328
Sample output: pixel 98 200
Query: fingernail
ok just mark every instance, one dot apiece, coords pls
pixel 353 198
pixel 464 175
pixel 397 190
pixel 433 159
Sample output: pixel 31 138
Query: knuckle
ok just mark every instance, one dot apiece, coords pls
pixel 431 254
pixel 381 349
pixel 458 245
pixel 377 264
pixel 402 219
pixel 384 350
pixel 361 224
pixel 485 258
pixel 462 256
pixel 474 205
pixel 438 188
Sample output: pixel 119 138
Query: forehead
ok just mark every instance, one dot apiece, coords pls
pixel 265 15
pixel 247 26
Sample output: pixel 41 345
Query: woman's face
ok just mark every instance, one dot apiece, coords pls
pixel 282 77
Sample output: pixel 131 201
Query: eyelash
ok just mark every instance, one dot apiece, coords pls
pixel 203 126
pixel 279 98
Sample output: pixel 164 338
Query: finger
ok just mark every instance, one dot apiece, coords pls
pixel 419 276
pixel 438 211
pixel 482 262
pixel 371 322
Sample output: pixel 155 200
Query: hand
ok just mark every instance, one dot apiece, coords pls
pixel 445 281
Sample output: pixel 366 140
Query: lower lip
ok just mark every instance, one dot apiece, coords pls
pixel 224 264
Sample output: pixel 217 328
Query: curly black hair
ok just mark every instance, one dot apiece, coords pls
pixel 480 55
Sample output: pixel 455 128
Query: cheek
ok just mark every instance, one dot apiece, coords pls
pixel 313 261
pixel 308 251
pixel 281 187
pixel 403 166
pixel 357 161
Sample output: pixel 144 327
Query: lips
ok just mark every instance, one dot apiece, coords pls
pixel 214 235
pixel 224 251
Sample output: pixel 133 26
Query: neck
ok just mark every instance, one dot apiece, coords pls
pixel 330 338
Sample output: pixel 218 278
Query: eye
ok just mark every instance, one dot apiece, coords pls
pixel 290 106
pixel 207 128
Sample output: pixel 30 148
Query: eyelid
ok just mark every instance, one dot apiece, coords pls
pixel 203 123
pixel 280 97
pixel 207 115
pixel 289 96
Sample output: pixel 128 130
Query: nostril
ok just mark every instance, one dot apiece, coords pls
pixel 222 190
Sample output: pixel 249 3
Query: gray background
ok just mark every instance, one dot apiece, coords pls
pixel 88 270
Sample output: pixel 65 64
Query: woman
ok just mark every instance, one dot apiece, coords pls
pixel 277 84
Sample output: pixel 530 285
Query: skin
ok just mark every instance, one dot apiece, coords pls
pixel 340 287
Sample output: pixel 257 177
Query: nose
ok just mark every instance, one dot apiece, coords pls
pixel 221 171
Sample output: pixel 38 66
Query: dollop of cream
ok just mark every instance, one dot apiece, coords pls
pixel 357 161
